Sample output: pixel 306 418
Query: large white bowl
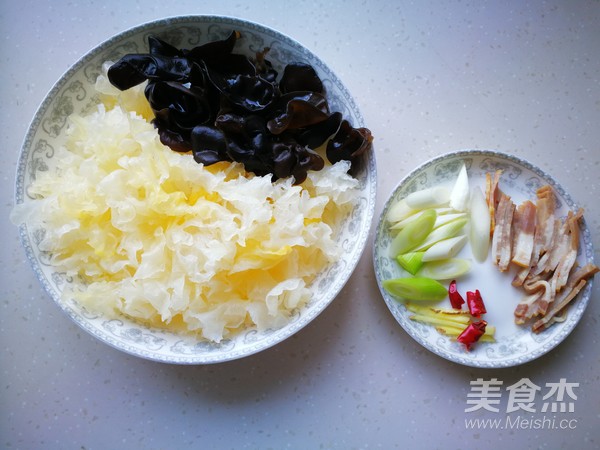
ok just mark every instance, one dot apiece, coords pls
pixel 74 93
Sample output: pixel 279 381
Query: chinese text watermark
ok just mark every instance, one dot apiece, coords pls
pixel 552 400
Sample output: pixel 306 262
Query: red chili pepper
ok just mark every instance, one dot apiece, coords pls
pixel 472 333
pixel 456 299
pixel 475 303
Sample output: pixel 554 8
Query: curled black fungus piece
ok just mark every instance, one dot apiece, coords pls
pixel 157 46
pixel 284 160
pixel 317 135
pixel 174 140
pixel 134 69
pixel 251 93
pixel 235 77
pixel 301 109
pixel 208 145
pixel 307 160
pixel 177 110
pixel 248 141
pixel 215 49
pixel 300 77
pixel 177 105
pixel 295 159
pixel 349 144
pixel 244 127
pixel 224 106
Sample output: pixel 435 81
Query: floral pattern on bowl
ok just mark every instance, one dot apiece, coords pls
pixel 74 92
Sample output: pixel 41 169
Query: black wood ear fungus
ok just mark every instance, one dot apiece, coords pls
pixel 224 106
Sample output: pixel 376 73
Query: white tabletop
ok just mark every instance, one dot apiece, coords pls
pixel 429 77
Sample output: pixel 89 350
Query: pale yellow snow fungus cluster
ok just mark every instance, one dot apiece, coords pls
pixel 157 237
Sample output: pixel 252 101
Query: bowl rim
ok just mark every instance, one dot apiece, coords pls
pixel 202 358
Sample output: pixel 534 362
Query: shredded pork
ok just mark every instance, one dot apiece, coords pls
pixel 502 237
pixel 544 249
pixel 523 243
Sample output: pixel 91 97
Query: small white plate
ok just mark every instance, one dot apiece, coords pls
pixel 514 344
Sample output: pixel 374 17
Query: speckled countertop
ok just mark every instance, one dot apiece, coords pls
pixel 430 77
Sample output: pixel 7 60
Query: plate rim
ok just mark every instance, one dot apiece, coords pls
pixel 587 249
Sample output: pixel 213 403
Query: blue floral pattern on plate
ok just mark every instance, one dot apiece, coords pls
pixel 514 344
